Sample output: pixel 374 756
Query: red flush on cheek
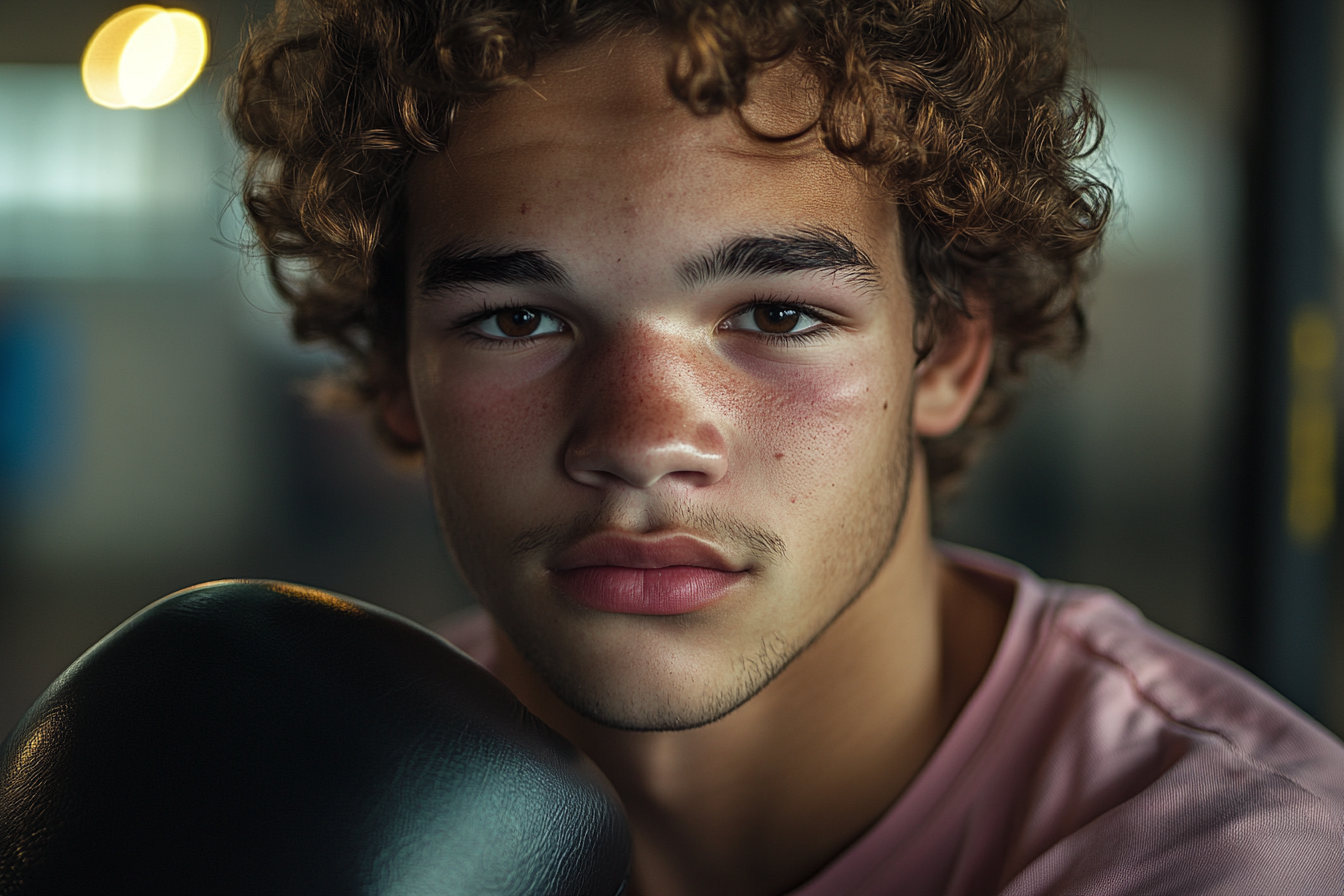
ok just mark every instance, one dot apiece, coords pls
pixel 824 390
pixel 816 410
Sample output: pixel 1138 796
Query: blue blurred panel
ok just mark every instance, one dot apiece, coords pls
pixel 37 398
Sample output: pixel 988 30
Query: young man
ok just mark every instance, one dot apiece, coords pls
pixel 687 305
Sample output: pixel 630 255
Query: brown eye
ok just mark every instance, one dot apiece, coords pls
pixel 775 319
pixel 518 325
pixel 517 322
pixel 785 322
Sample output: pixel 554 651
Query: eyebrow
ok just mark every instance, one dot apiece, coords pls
pixel 808 249
pixel 456 266
pixel 821 249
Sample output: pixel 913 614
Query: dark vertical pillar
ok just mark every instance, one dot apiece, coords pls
pixel 1287 467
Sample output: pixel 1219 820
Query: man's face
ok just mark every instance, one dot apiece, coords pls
pixel 662 371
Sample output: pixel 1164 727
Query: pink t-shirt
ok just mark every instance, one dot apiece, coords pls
pixel 1100 755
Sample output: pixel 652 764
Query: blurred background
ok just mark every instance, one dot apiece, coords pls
pixel 153 432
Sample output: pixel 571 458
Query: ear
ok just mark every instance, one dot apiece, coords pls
pixel 949 380
pixel 397 410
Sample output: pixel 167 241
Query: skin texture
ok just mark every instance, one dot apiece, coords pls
pixel 755 737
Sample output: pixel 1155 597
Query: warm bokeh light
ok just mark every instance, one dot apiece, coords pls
pixel 144 57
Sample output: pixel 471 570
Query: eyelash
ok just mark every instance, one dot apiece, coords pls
pixel 823 330
pixel 485 312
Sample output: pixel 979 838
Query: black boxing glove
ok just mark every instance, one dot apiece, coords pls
pixel 257 737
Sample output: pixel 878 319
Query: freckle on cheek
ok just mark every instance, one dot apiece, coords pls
pixel 496 418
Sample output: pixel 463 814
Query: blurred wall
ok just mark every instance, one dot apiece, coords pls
pixel 1113 475
pixel 152 430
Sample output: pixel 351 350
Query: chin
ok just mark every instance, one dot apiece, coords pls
pixel 659 693
pixel 646 710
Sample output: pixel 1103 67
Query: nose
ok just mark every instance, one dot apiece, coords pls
pixel 646 417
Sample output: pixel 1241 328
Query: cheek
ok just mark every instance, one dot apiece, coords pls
pixel 823 433
pixel 485 432
pixel 836 443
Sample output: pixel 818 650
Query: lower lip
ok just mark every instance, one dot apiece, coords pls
pixel 667 591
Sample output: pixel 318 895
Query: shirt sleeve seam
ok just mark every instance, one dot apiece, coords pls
pixel 1084 643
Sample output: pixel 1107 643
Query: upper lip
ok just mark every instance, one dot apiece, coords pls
pixel 620 549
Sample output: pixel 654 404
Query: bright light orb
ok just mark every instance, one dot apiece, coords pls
pixel 144 57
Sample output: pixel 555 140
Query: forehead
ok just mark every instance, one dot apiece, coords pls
pixel 616 90
pixel 595 133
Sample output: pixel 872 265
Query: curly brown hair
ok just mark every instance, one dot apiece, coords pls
pixel 962 109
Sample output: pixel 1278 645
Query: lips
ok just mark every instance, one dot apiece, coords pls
pixel 648 577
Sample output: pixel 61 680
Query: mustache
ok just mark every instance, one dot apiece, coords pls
pixel 708 523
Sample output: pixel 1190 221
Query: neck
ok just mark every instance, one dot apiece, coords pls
pixel 760 800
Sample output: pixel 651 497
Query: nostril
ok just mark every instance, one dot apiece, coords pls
pixel 693 453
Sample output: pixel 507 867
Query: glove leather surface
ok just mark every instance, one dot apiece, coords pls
pixel 258 737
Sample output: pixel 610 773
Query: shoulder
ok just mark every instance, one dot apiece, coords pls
pixel 1100 754
pixel 1207 701
pixel 1216 783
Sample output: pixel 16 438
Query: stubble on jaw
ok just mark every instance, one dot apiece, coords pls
pixel 854 556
